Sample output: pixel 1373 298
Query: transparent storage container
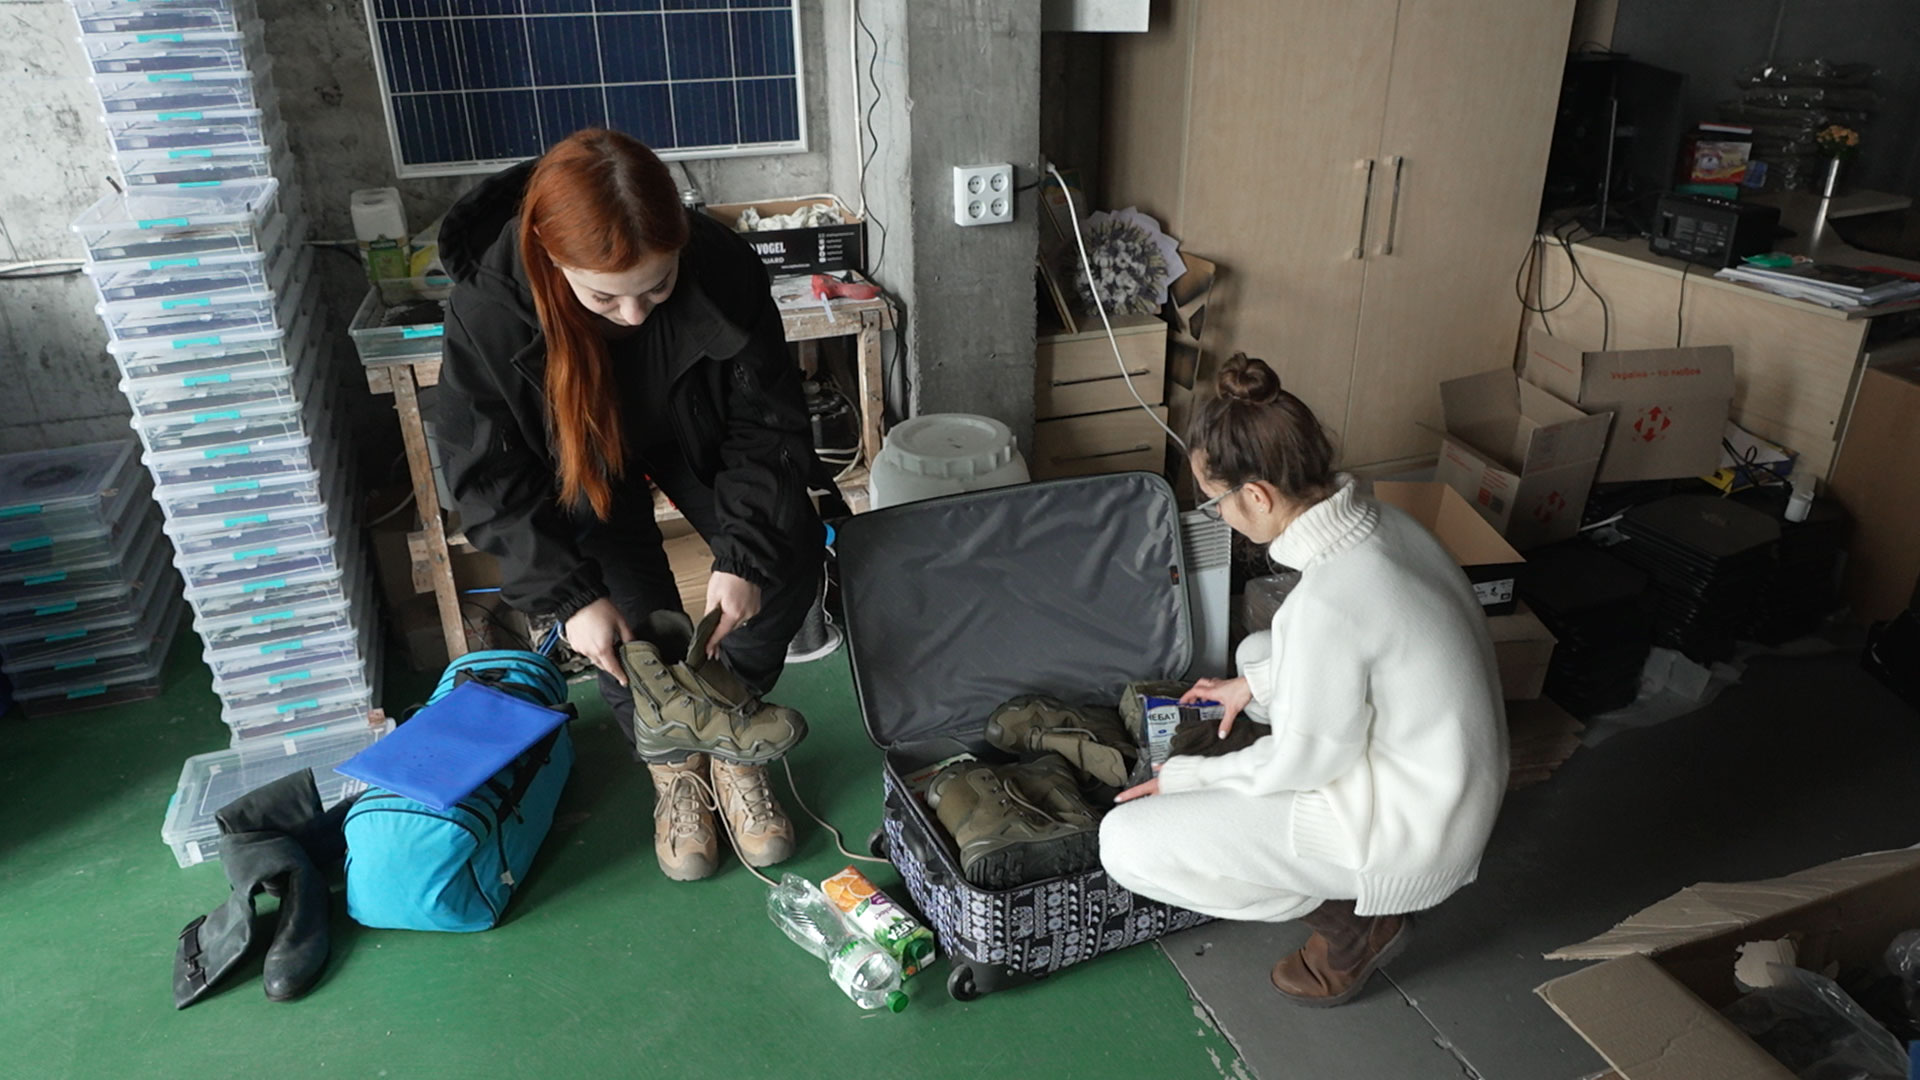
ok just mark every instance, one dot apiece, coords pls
pixel 134 547
pixel 77 615
pixel 399 321
pixel 296 706
pixel 181 91
pixel 281 639
pixel 279 346
pixel 85 564
pixel 161 51
pixel 150 19
pixel 234 129
pixel 270 596
pixel 164 427
pixel 257 464
pixel 43 491
pixel 198 453
pixel 350 660
pixel 215 584
pixel 250 543
pixel 76 648
pixel 211 781
pixel 137 284
pixel 203 166
pixel 270 505
pixel 216 382
pixel 225 303
pixel 70 542
pixel 92 681
pixel 171 223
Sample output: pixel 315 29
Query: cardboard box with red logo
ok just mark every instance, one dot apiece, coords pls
pixel 1670 405
pixel 1520 456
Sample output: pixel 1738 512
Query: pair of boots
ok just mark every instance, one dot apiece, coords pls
pixel 278 840
pixel 1016 823
pixel 686 797
pixel 708 738
pixel 1343 953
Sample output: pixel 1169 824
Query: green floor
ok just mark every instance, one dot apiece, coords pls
pixel 604 968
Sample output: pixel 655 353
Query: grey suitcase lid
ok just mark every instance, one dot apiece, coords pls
pixel 1067 587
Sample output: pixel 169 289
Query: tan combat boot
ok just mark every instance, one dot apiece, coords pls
pixel 762 834
pixel 684 836
pixel 685 702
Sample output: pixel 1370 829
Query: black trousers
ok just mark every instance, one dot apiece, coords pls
pixel 633 562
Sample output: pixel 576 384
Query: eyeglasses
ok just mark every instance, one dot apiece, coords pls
pixel 1211 507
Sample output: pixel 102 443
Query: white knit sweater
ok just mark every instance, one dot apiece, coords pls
pixel 1385 703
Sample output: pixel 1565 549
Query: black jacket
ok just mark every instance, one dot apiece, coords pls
pixel 738 414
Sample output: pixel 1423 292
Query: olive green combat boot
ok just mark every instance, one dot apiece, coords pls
pixel 1004 839
pixel 684 702
pixel 1090 737
pixel 1049 783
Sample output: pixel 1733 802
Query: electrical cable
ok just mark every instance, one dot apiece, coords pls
pixel 404 504
pixel 893 378
pixel 1606 313
pixel 859 139
pixel 494 618
pixel 1680 307
pixel 1086 266
pixel 29 267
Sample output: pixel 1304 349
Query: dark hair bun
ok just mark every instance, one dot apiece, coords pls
pixel 1244 378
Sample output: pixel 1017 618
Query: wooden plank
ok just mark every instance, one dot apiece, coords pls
pixel 379 380
pixel 1461 156
pixel 811 322
pixel 1076 373
pixel 854 488
pixel 413 431
pixel 870 363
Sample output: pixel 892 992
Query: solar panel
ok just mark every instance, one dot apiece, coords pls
pixel 471 85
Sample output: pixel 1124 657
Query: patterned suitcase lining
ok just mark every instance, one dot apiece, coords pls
pixel 1034 930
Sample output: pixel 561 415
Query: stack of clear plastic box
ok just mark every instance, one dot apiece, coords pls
pixel 186 92
pixel 89 601
pixel 213 318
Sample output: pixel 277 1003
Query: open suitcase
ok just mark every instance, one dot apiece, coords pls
pixel 1071 588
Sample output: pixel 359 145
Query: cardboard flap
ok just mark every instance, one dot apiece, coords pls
pixel 1521 626
pixel 1071 588
pixel 1671 374
pixel 1459 528
pixel 1649 1027
pixel 1553 365
pixel 1706 910
pixel 1483 411
pixel 1559 434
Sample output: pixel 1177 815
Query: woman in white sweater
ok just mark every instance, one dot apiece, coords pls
pixel 1376 791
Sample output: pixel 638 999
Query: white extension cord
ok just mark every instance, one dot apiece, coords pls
pixel 1086 266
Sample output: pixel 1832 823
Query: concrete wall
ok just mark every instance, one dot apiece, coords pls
pixel 1713 40
pixel 971 96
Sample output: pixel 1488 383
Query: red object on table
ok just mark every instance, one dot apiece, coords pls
pixel 828 287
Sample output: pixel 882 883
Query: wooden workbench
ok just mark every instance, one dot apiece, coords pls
pixel 805 320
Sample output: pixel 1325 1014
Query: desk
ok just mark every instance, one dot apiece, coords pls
pixel 1796 364
pixel 804 320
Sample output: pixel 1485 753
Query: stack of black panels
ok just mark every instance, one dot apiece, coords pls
pixel 1710 561
pixel 1593 603
pixel 1805 588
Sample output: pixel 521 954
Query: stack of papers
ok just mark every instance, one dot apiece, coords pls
pixel 1845 287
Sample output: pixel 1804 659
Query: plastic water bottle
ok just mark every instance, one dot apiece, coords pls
pixel 868 974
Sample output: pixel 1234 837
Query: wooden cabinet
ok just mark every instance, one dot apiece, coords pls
pixel 1366 172
pixel 1086 420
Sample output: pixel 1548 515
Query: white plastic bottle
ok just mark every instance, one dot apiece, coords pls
pixel 380 224
pixel 868 974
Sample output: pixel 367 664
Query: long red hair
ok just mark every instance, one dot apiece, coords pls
pixel 601 201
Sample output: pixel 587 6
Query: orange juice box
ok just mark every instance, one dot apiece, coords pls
pixel 874 915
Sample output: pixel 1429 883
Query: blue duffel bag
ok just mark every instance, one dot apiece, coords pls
pixel 413 867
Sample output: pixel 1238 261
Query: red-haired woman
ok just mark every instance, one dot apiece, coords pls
pixel 600 336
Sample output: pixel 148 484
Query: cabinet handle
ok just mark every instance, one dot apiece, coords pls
pixel 1366 210
pixel 1393 210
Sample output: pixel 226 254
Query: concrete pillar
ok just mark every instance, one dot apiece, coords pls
pixel 960 85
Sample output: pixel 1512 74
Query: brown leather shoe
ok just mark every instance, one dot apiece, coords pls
pixel 1343 952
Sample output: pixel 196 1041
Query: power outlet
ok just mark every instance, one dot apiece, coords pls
pixel 982 194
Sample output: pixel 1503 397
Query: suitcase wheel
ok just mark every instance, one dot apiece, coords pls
pixel 960 984
pixel 877 843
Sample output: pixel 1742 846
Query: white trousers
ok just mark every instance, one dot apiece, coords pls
pixel 1218 852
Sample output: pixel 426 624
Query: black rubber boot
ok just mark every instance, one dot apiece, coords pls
pixel 270 838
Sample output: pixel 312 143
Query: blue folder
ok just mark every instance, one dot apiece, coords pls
pixel 454 745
